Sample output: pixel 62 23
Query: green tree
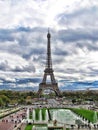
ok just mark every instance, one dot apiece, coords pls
pixel 1 102
pixel 5 99
pixel 73 101
pixel 21 101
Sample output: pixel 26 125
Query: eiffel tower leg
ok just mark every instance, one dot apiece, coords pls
pixel 44 78
pixel 40 91
pixel 56 90
pixel 58 93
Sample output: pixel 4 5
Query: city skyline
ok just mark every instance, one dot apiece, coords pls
pixel 23 42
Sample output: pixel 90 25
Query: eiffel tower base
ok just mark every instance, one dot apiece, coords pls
pixel 53 87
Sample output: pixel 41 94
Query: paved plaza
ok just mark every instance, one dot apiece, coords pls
pixel 12 121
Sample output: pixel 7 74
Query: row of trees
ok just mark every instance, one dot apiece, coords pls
pixel 84 95
pixel 4 100
pixel 8 97
pixel 15 97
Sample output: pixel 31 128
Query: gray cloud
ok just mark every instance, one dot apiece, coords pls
pixel 84 17
pixel 5 35
pixel 4 66
pixel 22 41
pixel 74 35
pixel 29 68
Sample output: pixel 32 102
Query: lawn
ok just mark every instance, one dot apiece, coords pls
pixel 29 127
pixel 43 113
pixel 37 114
pixel 87 114
pixel 30 115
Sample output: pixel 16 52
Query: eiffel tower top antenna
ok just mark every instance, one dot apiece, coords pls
pixel 48 35
pixel 48 32
pixel 49 59
pixel 48 29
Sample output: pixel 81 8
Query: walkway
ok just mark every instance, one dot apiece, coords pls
pixel 6 126
pixel 23 126
pixel 12 121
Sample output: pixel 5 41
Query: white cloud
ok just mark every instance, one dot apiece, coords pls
pixel 37 13
pixel 12 60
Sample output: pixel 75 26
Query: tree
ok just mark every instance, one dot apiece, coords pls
pixel 5 99
pixel 1 102
pixel 29 99
pixel 21 101
pixel 73 101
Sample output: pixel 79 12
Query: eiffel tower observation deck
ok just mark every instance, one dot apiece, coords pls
pixel 48 72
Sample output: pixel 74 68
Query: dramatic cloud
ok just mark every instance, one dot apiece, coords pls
pixel 23 42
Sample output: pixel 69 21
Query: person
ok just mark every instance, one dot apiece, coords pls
pixel 34 128
pixel 89 126
pixel 55 122
pixel 78 127
pixel 94 126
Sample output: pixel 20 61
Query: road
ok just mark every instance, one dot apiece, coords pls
pixel 53 103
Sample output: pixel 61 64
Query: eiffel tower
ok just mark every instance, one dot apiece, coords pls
pixel 48 72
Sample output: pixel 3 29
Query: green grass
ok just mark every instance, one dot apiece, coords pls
pixel 43 113
pixel 84 113
pixel 67 129
pixel 87 114
pixel 37 114
pixel 30 115
pixel 29 127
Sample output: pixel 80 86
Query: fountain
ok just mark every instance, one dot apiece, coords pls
pixel 47 117
pixel 95 117
pixel 40 115
pixel 60 117
pixel 34 128
pixel 55 115
pixel 64 116
pixel 28 114
pixel 33 115
pixel 40 128
pixel 64 128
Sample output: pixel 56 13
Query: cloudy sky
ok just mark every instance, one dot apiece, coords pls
pixel 23 40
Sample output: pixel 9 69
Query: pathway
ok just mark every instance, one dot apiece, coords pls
pixel 23 126
pixel 6 126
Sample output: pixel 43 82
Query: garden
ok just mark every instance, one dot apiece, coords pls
pixel 66 116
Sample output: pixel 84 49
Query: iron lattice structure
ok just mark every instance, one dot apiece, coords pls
pixel 52 85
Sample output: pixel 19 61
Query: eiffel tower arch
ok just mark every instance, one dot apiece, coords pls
pixel 52 85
